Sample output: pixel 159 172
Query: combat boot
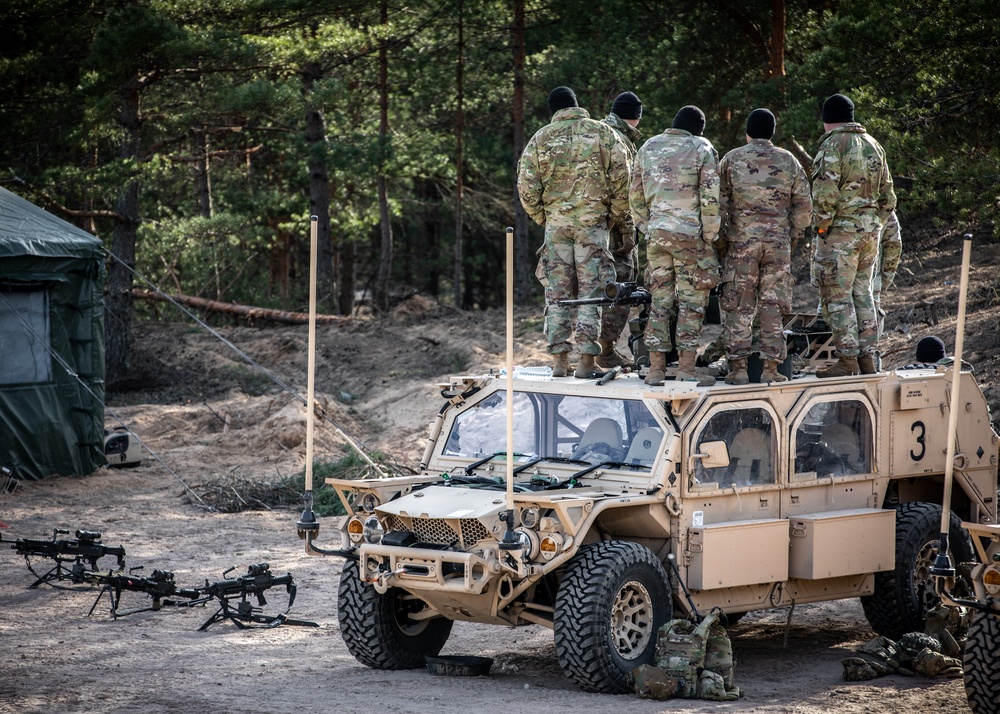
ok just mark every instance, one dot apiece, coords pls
pixel 845 366
pixel 610 357
pixel 657 369
pixel 686 369
pixel 770 372
pixel 737 372
pixel 867 363
pixel 560 364
pixel 585 368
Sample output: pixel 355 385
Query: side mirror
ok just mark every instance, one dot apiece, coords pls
pixel 713 455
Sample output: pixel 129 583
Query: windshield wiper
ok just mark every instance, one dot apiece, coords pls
pixel 476 464
pixel 557 459
pixel 593 467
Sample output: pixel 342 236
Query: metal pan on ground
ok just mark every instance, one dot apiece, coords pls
pixel 459 665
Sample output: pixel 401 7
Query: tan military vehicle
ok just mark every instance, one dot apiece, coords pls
pixel 633 504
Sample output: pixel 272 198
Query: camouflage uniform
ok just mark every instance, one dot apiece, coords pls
pixel 675 204
pixel 622 240
pixel 573 179
pixel 852 198
pixel 890 250
pixel 765 204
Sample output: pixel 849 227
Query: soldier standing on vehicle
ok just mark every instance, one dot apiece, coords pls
pixel 573 180
pixel 853 197
pixel 765 204
pixel 675 204
pixel 624 118
pixel 890 250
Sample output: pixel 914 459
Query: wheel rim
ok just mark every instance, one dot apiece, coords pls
pixel 631 620
pixel 923 583
pixel 403 607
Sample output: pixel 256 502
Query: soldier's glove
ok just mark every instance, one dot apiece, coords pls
pixel 887 279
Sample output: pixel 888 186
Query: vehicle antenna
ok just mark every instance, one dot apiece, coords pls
pixel 308 525
pixel 943 566
pixel 509 537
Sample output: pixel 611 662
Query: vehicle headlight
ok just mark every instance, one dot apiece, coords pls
pixel 991 579
pixel 528 540
pixel 355 529
pixel 550 546
pixel 369 502
pixel 373 530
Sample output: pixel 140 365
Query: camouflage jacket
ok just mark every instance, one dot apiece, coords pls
pixel 623 233
pixel 851 183
pixel 675 185
pixel 890 246
pixel 763 190
pixel 574 172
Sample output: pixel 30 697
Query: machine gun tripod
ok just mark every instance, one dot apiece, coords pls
pixel 234 604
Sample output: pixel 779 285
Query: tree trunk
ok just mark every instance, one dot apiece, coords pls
pixel 118 326
pixel 776 61
pixel 202 176
pixel 523 275
pixel 459 164
pixel 385 262
pixel 248 312
pixel 319 186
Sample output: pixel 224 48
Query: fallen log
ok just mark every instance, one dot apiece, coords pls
pixel 246 311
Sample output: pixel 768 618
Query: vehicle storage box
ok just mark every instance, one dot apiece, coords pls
pixel 736 553
pixel 847 542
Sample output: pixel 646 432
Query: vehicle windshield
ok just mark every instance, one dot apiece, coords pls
pixel 590 429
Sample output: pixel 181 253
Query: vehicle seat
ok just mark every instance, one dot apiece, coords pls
pixel 644 446
pixel 749 459
pixel 843 449
pixel 603 438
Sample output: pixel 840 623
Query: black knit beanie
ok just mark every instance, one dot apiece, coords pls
pixel 627 106
pixel 930 350
pixel 690 118
pixel 561 98
pixel 838 109
pixel 760 124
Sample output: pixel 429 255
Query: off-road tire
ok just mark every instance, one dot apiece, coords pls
pixel 981 661
pixel 610 605
pixel 376 629
pixel 901 595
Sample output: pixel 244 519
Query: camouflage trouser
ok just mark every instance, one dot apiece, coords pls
pixel 846 261
pixel 614 319
pixel 757 280
pixel 573 263
pixel 681 270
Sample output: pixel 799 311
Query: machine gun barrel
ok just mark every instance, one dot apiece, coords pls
pixel 630 294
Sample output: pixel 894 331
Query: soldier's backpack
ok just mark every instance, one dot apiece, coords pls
pixel 686 652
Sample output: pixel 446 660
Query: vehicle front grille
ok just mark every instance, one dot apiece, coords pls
pixel 440 531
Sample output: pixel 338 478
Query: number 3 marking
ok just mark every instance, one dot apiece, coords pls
pixel 920 440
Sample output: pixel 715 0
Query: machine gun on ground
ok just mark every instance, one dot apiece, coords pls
pixel 158 586
pixel 83 552
pixel 234 604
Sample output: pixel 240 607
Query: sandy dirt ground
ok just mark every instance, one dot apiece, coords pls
pixel 210 418
pixel 57 659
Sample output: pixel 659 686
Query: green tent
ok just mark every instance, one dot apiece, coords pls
pixel 51 343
